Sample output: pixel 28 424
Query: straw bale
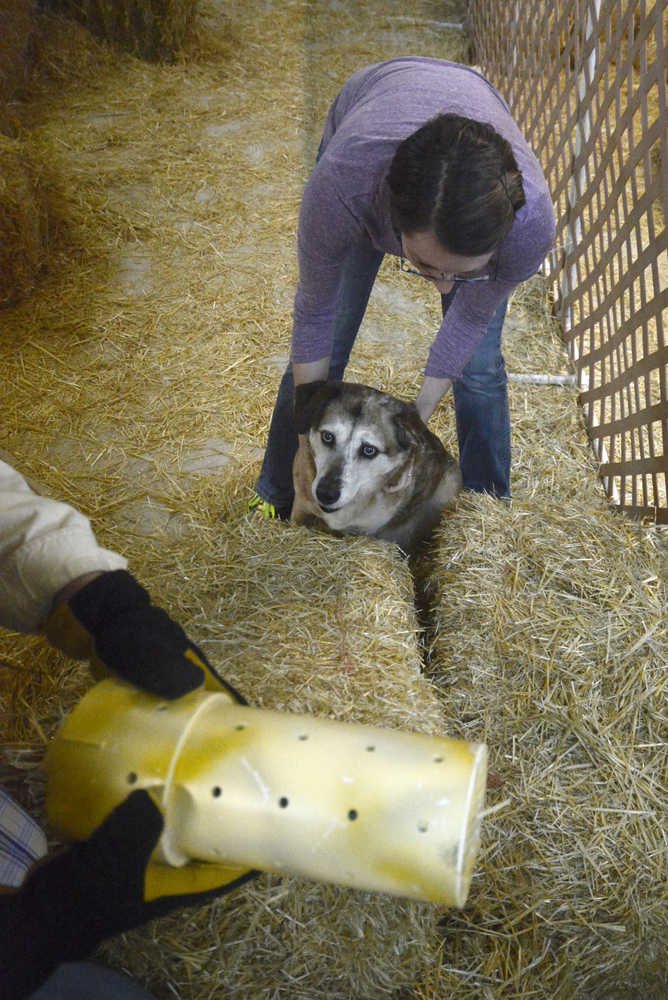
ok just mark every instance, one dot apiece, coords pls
pixel 150 29
pixel 548 640
pixel 298 622
pixel 15 30
pixel 22 223
pixel 16 34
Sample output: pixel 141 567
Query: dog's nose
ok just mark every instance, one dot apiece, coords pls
pixel 327 493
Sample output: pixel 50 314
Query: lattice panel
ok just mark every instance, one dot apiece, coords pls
pixel 586 81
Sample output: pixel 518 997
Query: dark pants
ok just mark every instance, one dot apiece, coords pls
pixel 481 403
pixel 88 981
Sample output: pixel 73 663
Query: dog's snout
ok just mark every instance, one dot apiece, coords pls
pixel 328 492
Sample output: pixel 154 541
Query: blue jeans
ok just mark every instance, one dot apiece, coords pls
pixel 481 404
pixel 481 412
pixel 88 981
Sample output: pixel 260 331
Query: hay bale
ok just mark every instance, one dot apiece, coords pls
pixel 151 29
pixel 549 643
pixel 16 32
pixel 22 223
pixel 300 622
pixel 297 621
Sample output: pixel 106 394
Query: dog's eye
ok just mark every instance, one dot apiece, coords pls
pixel 368 451
pixel 327 437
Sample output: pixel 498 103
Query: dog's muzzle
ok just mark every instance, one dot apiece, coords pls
pixel 328 493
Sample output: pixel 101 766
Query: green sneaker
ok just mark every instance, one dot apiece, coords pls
pixel 262 508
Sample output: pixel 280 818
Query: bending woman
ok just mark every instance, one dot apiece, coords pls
pixel 419 158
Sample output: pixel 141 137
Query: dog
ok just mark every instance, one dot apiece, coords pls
pixel 370 466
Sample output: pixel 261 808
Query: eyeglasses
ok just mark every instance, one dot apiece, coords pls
pixel 456 279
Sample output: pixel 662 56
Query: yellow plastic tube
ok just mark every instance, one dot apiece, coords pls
pixel 360 806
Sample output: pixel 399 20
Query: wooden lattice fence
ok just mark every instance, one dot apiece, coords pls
pixel 586 80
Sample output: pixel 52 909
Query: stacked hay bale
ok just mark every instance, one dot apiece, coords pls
pixel 22 212
pixel 150 29
pixel 17 29
pixel 299 622
pixel 549 643
pixel 23 223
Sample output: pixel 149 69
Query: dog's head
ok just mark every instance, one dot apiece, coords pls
pixel 364 445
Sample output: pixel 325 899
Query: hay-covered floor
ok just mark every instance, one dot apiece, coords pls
pixel 137 382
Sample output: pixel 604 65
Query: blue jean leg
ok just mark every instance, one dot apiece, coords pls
pixel 482 415
pixel 275 480
pixel 88 981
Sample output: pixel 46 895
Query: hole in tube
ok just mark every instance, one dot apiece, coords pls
pixel 422 826
pixel 370 749
pixel 438 760
pixel 240 726
pixel 216 791
pixel 132 778
pixel 283 802
pixel 303 736
pixel 352 814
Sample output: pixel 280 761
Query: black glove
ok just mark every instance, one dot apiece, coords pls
pixel 112 620
pixel 92 891
pixel 135 639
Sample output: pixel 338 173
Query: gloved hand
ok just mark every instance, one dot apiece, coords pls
pixel 112 622
pixel 94 890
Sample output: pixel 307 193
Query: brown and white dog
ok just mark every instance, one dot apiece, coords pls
pixel 370 465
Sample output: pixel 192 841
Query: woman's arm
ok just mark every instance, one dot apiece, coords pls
pixel 431 392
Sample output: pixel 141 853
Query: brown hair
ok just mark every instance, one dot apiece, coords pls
pixel 458 178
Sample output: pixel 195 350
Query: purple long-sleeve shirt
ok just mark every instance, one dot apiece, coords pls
pixel 347 198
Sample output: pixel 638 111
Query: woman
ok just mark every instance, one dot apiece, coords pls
pixel 419 158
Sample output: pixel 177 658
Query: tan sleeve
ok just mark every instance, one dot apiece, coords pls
pixel 44 544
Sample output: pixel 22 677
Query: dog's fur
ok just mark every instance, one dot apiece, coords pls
pixel 370 466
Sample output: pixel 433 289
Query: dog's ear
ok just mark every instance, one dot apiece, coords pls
pixel 310 400
pixel 409 428
pixel 413 433
pixel 403 475
pixel 410 432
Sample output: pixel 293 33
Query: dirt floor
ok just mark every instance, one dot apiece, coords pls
pixel 137 383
